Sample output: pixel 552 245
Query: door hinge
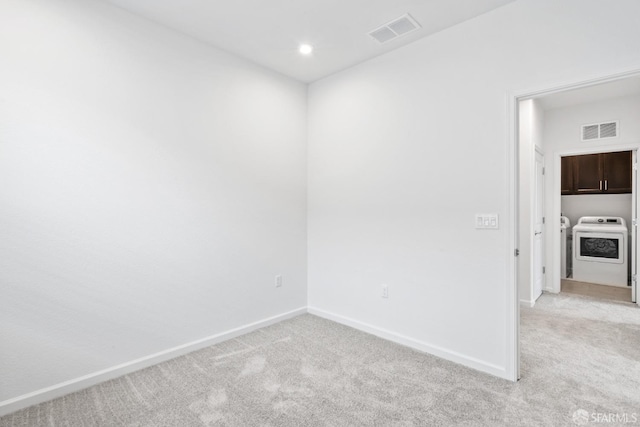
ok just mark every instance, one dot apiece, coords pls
pixel 635 166
pixel 542 171
pixel 516 252
pixel 634 278
pixel 634 222
pixel 544 270
pixel 543 220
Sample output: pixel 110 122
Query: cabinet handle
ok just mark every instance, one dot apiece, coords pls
pixel 600 185
pixel 606 184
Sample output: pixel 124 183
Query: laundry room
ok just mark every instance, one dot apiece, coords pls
pixel 577 151
pixel 593 134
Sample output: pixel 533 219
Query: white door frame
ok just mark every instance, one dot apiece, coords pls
pixel 634 228
pixel 513 222
pixel 534 215
pixel 557 200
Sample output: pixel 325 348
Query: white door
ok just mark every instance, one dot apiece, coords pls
pixel 538 227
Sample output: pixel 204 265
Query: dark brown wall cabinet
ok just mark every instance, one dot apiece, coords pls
pixel 566 171
pixel 606 173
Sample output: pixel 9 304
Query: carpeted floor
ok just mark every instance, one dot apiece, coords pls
pixel 578 353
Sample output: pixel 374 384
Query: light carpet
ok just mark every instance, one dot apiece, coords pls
pixel 578 354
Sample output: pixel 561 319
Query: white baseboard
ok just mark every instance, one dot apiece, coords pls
pixel 527 303
pixel 443 353
pixel 58 390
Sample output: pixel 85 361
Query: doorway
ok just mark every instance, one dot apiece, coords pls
pixel 562 123
pixel 598 196
pixel 522 230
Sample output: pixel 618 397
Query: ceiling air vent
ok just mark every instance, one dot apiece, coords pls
pixel 383 34
pixel 394 29
pixel 599 131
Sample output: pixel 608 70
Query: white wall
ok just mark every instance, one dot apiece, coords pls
pixel 530 139
pixel 405 149
pixel 562 131
pixel 151 189
pixel 531 118
pixel 577 206
pixel 526 151
pixel 537 125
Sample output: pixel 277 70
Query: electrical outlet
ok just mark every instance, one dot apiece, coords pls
pixel 278 281
pixel 385 291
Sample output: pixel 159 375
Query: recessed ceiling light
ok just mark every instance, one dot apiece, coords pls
pixel 306 49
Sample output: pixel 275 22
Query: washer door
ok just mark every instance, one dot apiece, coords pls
pixel 600 247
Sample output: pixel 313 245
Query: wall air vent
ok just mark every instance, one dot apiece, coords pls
pixel 608 130
pixel 599 131
pixel 394 29
pixel 590 132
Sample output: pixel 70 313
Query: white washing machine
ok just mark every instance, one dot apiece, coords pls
pixel 565 250
pixel 600 250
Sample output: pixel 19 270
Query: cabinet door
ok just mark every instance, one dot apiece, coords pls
pixel 587 174
pixel 566 173
pixel 617 172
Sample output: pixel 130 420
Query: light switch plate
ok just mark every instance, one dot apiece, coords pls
pixel 487 222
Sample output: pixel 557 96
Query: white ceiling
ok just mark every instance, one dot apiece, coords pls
pixel 615 89
pixel 268 32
